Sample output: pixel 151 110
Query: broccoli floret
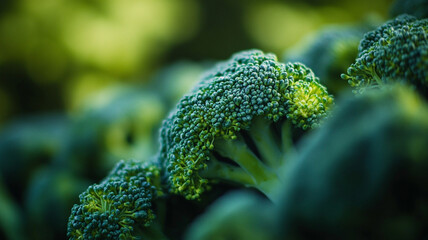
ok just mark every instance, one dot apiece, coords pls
pixel 363 174
pixel 237 215
pixel 329 52
pixel 396 51
pixel 120 207
pixel 238 122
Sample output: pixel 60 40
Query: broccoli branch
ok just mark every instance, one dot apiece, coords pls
pixel 253 158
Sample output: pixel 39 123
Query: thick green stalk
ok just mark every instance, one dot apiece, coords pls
pixel 266 142
pixel 265 179
pixel 224 171
pixel 287 145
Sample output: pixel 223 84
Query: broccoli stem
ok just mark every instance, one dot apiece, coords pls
pixel 239 152
pixel 376 77
pixel 224 171
pixel 265 141
pixel 257 167
pixel 263 177
pixel 287 145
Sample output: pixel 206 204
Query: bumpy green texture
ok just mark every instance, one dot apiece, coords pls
pixel 363 174
pixel 246 94
pixel 396 51
pixel 119 206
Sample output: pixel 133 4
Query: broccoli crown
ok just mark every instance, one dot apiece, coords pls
pixel 111 209
pixel 396 50
pixel 225 101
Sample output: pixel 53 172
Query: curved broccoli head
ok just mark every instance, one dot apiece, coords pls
pixel 397 50
pixel 118 206
pixel 233 105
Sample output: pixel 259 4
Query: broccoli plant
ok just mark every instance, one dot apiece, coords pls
pixel 237 124
pixel 120 207
pixel 396 51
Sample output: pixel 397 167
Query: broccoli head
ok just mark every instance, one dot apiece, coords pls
pixel 396 51
pixel 238 122
pixel 120 207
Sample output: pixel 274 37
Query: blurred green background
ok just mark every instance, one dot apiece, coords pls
pixel 85 83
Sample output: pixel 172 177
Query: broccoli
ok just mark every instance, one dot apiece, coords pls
pixel 396 51
pixel 363 174
pixel 329 52
pixel 120 207
pixel 238 123
pixel 237 215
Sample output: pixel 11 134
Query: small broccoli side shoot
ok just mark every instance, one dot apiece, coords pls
pixel 238 123
pixel 119 207
pixel 397 50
